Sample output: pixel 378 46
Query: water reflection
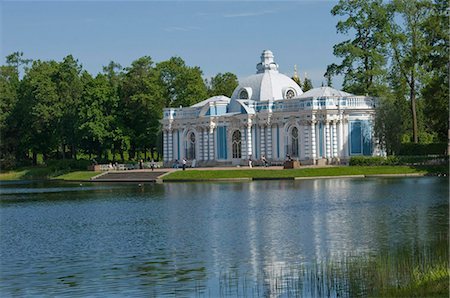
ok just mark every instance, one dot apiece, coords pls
pixel 213 239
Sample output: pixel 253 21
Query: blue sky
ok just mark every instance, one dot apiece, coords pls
pixel 217 36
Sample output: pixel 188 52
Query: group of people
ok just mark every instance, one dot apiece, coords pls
pixel 176 164
pixel 264 161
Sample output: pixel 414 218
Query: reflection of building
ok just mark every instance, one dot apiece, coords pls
pixel 268 114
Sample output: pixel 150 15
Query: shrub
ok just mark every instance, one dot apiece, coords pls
pixel 68 164
pixel 413 149
pixel 393 160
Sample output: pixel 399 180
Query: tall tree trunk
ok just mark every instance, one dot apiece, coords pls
pixel 63 151
pixel 34 158
pixel 122 157
pixel 412 97
pixel 73 151
pixel 131 152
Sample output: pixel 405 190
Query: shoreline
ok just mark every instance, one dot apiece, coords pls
pixel 242 174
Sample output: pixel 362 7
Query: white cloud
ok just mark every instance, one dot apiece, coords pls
pixel 248 14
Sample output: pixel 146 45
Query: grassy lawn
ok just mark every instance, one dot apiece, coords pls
pixel 45 173
pixel 291 173
pixel 29 173
pixel 78 175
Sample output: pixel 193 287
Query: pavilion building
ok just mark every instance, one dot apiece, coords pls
pixel 269 115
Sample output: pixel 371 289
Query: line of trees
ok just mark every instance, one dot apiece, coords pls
pixel 398 51
pixel 57 110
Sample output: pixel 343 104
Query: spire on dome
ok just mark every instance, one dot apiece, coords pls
pixel 267 63
pixel 295 77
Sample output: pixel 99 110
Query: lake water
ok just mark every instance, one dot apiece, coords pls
pixel 203 239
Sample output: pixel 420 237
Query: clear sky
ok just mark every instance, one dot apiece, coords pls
pixel 217 36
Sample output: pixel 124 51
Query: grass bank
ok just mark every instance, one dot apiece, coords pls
pixel 78 175
pixel 404 271
pixel 192 174
pixel 46 173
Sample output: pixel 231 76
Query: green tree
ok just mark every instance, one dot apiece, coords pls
pixel 97 114
pixel 364 56
pixel 9 86
pixel 17 61
pixel 141 97
pixel 69 88
pixel 408 41
pixel 120 140
pixel 222 84
pixel 181 85
pixel 435 91
pixel 307 84
pixel 40 108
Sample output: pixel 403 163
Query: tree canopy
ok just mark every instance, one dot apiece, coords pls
pixel 397 51
pixel 59 110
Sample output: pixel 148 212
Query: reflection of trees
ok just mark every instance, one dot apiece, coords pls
pixel 167 276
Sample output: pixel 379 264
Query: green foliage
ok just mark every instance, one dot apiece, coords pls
pixel 59 111
pixel 435 89
pixel 364 56
pixel 222 84
pixel 398 51
pixel 68 164
pixel 182 85
pixel 398 160
pixel 141 104
pixel 307 84
pixel 423 149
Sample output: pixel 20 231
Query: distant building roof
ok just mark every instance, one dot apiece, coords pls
pixel 212 99
pixel 325 92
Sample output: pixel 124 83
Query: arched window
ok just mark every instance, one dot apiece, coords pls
pixel 236 144
pixel 243 94
pixel 294 142
pixel 290 94
pixel 190 148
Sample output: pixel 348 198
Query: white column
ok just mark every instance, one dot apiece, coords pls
pixel 170 145
pixel 307 142
pixel 243 145
pixel 199 143
pixel 249 140
pixel 340 139
pixel 327 140
pixel 262 130
pixel 269 141
pixel 335 145
pixel 205 144
pixel 211 143
pixel 313 141
pixel 165 146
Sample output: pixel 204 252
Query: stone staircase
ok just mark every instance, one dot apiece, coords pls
pixel 129 176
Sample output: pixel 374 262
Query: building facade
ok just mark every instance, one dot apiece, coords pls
pixel 269 115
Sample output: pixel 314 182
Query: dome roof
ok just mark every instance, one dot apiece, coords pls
pixel 267 83
pixel 325 92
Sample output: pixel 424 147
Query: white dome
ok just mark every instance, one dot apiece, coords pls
pixel 267 83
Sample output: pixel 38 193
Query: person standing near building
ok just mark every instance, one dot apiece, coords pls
pixel 250 162
pixel 264 161
pixel 152 165
pixel 184 164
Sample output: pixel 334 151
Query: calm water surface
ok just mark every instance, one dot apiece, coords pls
pixel 202 239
